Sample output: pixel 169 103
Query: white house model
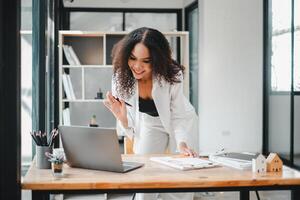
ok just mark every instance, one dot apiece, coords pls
pixel 259 164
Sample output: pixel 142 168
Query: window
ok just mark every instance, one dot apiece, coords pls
pixel 193 28
pixel 160 21
pixel 26 80
pixel 282 89
pixel 95 21
pixel 297 45
pixel 282 31
pixel 297 85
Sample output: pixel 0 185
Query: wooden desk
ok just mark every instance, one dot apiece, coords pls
pixel 154 177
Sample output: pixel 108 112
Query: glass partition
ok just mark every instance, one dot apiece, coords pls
pixel 26 82
pixel 160 21
pixel 281 45
pixel 193 45
pixel 280 84
pixel 297 83
pixel 96 21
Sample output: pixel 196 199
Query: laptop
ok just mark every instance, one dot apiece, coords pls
pixel 94 148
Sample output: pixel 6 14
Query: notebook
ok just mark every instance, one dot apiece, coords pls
pixel 184 163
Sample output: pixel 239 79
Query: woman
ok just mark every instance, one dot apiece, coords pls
pixel 159 117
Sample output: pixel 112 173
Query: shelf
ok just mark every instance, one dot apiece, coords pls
pixel 83 100
pixel 89 50
pixel 87 66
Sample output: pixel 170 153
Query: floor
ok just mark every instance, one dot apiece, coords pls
pixel 264 195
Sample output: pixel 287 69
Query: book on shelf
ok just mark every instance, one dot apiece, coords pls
pixel 68 88
pixel 242 161
pixel 66 116
pixel 74 56
pixel 184 163
pixel 71 88
pixel 71 55
pixel 68 55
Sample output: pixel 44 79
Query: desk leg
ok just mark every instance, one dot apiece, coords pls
pixel 295 194
pixel 244 195
pixel 40 195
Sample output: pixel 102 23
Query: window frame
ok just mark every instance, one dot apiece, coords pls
pixel 67 11
pixel 267 87
pixel 188 9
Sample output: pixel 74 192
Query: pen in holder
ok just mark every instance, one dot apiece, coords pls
pixel 44 144
pixel 41 159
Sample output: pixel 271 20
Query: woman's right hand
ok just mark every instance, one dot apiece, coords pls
pixel 117 107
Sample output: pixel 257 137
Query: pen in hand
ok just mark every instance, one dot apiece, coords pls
pixel 124 101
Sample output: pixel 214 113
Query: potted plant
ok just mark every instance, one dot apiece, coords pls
pixel 57 160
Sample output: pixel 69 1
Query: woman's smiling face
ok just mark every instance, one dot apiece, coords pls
pixel 140 62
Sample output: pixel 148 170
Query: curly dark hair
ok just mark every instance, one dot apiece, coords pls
pixel 163 66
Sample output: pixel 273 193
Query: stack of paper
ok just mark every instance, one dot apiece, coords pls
pixel 184 163
pixel 241 161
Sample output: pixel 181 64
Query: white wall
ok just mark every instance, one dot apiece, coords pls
pixel 230 74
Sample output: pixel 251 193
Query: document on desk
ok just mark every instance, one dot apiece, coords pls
pixel 184 163
pixel 240 161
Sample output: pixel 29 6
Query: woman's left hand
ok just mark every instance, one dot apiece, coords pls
pixel 185 150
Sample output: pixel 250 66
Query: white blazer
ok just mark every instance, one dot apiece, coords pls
pixel 176 113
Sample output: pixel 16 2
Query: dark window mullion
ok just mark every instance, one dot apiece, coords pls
pixel 50 65
pixel 267 72
pixel 123 21
pixel 38 66
pixel 58 17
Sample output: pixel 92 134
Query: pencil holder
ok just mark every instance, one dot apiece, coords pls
pixel 41 159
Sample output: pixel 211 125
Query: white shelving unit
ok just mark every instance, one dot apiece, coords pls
pixel 93 50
